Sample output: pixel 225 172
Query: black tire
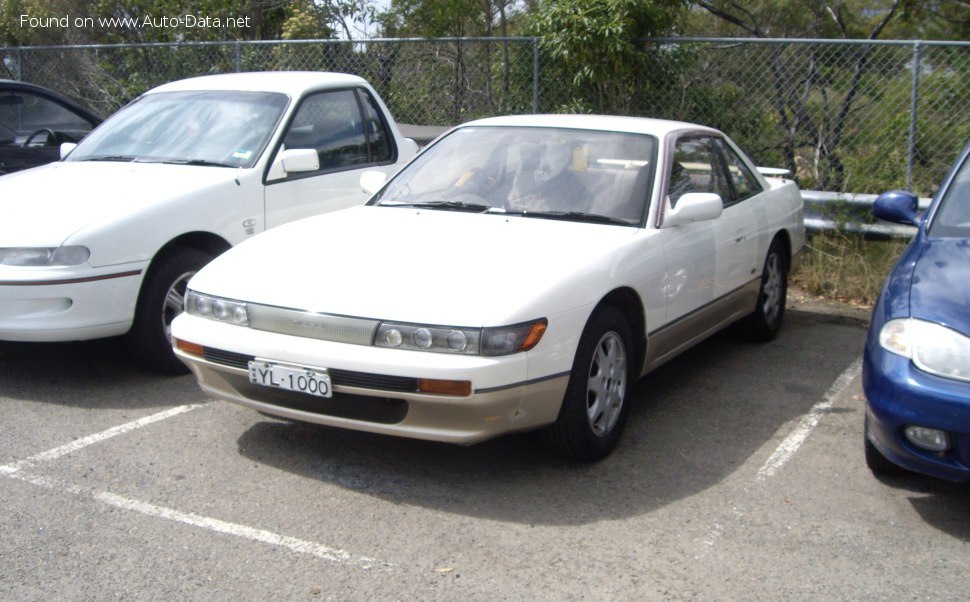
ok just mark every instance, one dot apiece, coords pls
pixel 879 464
pixel 595 407
pixel 159 302
pixel 764 323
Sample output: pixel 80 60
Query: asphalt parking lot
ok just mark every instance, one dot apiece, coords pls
pixel 740 476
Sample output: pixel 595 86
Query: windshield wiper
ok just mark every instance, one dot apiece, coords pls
pixel 124 158
pixel 573 216
pixel 194 162
pixel 445 206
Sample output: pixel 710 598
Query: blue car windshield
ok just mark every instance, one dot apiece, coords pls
pixel 953 216
pixel 225 128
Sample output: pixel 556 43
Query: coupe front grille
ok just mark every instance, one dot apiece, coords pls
pixel 339 378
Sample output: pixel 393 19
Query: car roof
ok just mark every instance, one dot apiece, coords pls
pixel 292 83
pixel 612 123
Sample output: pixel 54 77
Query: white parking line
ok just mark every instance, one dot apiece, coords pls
pixel 63 450
pixel 16 470
pixel 784 452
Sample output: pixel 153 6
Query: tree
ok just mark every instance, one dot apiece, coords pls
pixel 814 113
pixel 595 46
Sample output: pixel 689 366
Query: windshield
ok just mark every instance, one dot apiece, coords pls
pixel 555 173
pixel 216 127
pixel 953 216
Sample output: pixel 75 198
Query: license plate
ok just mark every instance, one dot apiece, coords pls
pixel 311 381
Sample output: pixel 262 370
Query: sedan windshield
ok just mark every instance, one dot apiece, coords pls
pixel 219 127
pixel 953 217
pixel 549 173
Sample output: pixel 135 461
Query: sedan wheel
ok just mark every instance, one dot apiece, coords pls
pixel 594 407
pixel 606 386
pixel 765 322
pixel 161 300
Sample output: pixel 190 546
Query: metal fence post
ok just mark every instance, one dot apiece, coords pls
pixel 238 56
pixel 535 75
pixel 913 112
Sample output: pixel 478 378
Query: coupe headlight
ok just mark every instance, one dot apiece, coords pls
pixel 44 256
pixel 466 341
pixel 216 308
pixel 932 348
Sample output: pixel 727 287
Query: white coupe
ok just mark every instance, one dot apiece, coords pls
pixel 103 243
pixel 521 273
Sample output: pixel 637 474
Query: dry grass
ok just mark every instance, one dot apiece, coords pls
pixel 845 268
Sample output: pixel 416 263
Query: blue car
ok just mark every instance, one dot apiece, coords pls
pixel 916 367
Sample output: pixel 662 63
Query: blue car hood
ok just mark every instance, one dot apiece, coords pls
pixel 941 284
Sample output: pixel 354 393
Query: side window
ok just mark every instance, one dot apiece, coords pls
pixel 696 168
pixel 744 182
pixel 330 123
pixel 23 113
pixel 380 139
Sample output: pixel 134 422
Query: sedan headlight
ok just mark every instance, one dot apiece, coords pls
pixel 44 256
pixel 502 340
pixel 216 308
pixel 932 348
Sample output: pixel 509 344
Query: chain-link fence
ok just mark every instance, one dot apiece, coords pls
pixel 854 116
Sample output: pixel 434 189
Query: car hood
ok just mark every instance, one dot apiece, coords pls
pixel 431 267
pixel 46 205
pixel 940 290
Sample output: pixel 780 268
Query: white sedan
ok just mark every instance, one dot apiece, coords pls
pixel 521 273
pixel 103 243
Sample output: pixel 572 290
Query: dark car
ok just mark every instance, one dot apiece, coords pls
pixel 34 122
pixel 916 367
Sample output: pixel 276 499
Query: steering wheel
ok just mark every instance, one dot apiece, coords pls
pixel 51 136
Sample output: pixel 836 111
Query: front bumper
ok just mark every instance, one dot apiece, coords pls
pixel 899 395
pixel 373 388
pixel 67 304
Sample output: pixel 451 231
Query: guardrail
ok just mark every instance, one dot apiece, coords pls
pixel 851 213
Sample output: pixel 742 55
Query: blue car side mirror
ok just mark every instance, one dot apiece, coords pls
pixel 898 206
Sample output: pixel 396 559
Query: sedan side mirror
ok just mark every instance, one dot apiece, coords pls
pixel 293 160
pixel 694 207
pixel 897 206
pixel 66 148
pixel 372 181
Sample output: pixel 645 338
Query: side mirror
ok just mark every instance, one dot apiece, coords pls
pixel 66 148
pixel 897 206
pixel 297 160
pixel 293 160
pixel 694 207
pixel 372 181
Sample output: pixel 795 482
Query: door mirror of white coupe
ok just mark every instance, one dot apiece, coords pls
pixel 372 181
pixel 694 207
pixel 66 148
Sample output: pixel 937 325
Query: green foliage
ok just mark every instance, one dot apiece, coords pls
pixel 594 45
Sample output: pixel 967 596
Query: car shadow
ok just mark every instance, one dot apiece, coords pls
pixel 943 505
pixel 693 423
pixel 89 374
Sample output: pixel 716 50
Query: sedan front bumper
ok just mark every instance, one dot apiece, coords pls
pixel 374 389
pixel 67 304
pixel 899 395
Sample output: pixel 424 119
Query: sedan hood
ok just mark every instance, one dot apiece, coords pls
pixel 431 267
pixel 940 291
pixel 46 205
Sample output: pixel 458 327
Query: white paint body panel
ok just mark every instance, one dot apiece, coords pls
pixel 475 270
pixel 125 212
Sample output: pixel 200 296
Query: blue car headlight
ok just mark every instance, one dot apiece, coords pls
pixel 931 347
